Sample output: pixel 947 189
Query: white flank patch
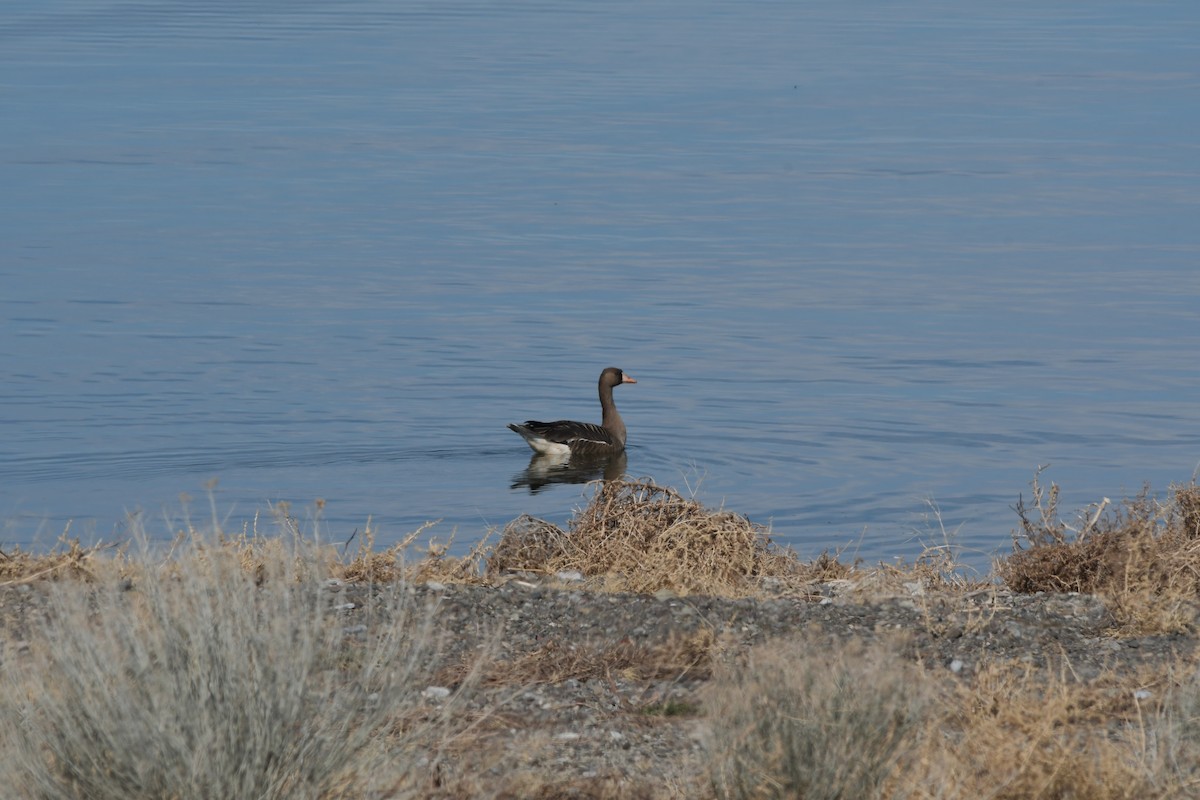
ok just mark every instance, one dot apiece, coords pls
pixel 547 447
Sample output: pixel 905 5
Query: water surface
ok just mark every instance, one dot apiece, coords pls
pixel 861 258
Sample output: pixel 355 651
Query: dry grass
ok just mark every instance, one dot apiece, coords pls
pixel 216 667
pixel 1176 731
pixel 817 719
pixel 677 658
pixel 432 561
pixel 69 559
pixel 1015 733
pixel 596 788
pixel 809 719
pixel 636 536
pixel 1142 556
pixel 203 679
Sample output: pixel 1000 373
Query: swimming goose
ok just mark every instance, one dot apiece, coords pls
pixel 584 438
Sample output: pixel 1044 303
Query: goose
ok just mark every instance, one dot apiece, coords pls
pixel 565 437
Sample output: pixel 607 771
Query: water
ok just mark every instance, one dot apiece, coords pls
pixel 865 260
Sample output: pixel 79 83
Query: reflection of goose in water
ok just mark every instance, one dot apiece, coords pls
pixel 567 468
pixel 564 437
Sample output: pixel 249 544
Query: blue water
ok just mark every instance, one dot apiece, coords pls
pixel 864 259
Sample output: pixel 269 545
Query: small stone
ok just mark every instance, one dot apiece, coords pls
pixel 567 736
pixel 665 594
pixel 435 586
pixel 1143 694
pixel 620 739
pixel 956 666
pixel 569 575
pixel 345 607
pixel 436 692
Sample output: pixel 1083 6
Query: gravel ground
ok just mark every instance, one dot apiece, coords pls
pixel 613 731
pixel 629 731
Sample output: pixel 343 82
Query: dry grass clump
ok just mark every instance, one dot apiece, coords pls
pixel 1187 503
pixel 936 572
pixel 641 537
pixel 814 718
pixel 261 557
pixel 1015 733
pixel 577 789
pixel 433 562
pixel 806 719
pixel 1143 556
pixel 199 680
pixel 69 559
pixel 307 553
pixel 1177 732
pixel 679 657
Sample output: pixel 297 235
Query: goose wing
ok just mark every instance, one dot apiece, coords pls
pixel 572 434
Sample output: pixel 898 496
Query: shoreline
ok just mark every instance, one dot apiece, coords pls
pixel 531 672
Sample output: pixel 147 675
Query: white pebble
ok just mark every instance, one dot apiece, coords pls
pixel 569 575
pixel 956 666
pixel 436 692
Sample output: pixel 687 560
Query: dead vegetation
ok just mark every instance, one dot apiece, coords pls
pixel 677 658
pixel 203 675
pixel 432 562
pixel 814 718
pixel 68 559
pixel 636 536
pixel 780 715
pixel 1015 733
pixel 1142 555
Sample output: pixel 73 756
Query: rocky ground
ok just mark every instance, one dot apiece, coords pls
pixel 588 689
pixel 571 692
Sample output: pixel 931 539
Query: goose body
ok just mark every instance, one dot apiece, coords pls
pixel 564 437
